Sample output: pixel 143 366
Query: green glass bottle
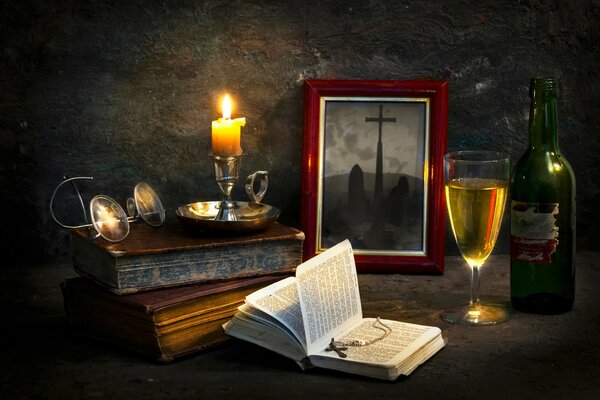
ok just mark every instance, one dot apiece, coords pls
pixel 542 242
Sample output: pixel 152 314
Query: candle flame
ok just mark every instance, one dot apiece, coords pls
pixel 226 107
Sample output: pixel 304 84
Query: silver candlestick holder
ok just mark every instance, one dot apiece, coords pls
pixel 226 215
pixel 227 172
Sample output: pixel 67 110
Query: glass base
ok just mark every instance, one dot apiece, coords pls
pixel 480 315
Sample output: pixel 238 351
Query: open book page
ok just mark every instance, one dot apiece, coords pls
pixel 265 319
pixel 280 301
pixel 402 344
pixel 329 296
pixel 274 338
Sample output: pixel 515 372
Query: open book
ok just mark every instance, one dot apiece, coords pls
pixel 300 316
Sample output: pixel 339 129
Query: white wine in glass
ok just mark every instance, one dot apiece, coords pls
pixel 476 192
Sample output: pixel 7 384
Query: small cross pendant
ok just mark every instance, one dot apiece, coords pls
pixel 332 347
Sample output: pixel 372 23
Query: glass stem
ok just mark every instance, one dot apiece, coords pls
pixel 474 286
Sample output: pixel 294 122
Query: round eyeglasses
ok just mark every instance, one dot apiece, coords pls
pixel 108 218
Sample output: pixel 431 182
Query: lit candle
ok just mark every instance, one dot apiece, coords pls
pixel 226 132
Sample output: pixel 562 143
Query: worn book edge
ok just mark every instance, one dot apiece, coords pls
pixel 167 305
pixel 132 290
pixel 274 253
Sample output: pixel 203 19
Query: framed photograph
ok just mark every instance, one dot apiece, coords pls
pixel 372 172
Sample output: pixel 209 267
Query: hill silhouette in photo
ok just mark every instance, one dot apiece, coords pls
pixel 393 221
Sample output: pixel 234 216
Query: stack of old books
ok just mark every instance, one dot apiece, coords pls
pixel 166 292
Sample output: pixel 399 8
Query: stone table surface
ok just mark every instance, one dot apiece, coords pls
pixel 530 356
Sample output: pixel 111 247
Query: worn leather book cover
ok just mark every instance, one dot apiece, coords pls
pixel 163 324
pixel 171 255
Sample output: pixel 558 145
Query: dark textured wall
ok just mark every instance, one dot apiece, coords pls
pixel 125 90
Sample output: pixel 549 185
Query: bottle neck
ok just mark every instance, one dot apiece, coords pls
pixel 543 121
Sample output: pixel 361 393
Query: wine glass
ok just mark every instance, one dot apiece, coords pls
pixel 476 190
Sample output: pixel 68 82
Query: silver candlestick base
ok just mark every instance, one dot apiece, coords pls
pixel 227 171
pixel 227 216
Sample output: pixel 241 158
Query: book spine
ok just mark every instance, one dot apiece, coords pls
pixel 94 262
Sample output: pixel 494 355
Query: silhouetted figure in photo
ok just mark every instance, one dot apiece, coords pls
pixel 398 201
pixel 359 206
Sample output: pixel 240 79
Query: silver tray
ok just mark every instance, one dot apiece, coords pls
pixel 251 216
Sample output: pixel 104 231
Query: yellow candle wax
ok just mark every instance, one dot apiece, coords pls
pixel 226 132
pixel 226 136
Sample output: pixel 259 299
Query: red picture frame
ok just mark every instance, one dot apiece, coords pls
pixel 331 110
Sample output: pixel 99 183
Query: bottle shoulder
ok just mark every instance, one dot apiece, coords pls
pixel 542 162
pixel 542 174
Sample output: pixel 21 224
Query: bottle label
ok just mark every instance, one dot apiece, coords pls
pixel 533 232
